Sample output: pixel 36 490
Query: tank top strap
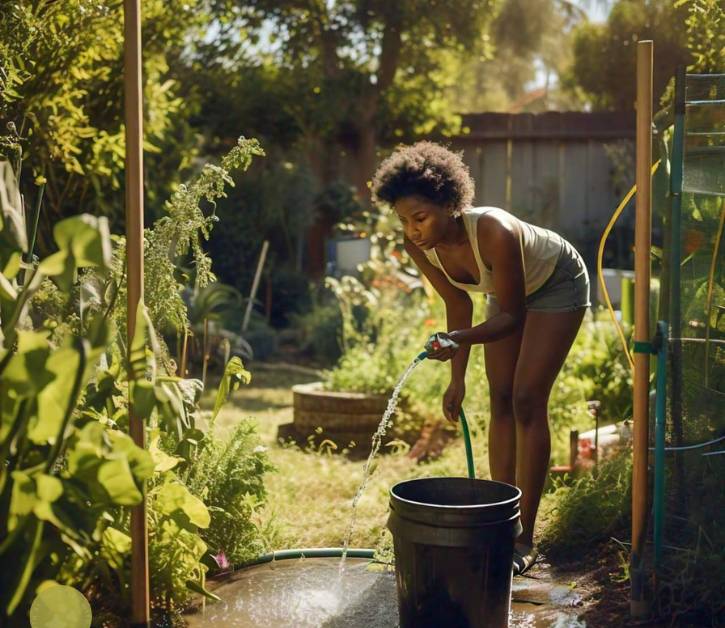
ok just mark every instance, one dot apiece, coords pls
pixel 470 220
pixel 432 257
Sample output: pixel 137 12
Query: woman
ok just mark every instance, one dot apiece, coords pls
pixel 537 291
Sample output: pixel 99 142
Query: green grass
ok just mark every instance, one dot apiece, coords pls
pixel 310 493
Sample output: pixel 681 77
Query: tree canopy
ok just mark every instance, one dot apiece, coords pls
pixel 604 66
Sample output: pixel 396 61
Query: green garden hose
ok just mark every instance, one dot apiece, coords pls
pixel 310 552
pixel 467 441
pixel 464 425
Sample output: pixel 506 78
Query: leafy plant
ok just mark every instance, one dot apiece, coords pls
pixel 228 476
pixel 180 233
pixel 60 472
pixel 69 471
pixel 588 511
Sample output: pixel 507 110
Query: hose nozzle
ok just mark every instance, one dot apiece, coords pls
pixel 439 341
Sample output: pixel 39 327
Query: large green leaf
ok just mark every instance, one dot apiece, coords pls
pixel 83 242
pixel 174 500
pixel 234 376
pixel 49 488
pixel 115 546
pixel 141 358
pixel 139 460
pixel 162 460
pixel 109 464
pixel 22 500
pixel 115 476
pixel 26 373
pixel 143 398
pixel 55 398
pixel 86 450
pixel 33 494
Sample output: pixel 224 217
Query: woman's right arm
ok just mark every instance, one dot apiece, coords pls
pixel 459 309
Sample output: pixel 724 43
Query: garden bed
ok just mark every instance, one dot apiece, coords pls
pixel 347 419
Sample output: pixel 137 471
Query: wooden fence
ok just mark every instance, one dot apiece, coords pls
pixel 550 169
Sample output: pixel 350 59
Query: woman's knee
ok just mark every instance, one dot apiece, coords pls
pixel 529 405
pixel 502 401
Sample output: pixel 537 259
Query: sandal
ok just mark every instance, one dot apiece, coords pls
pixel 524 558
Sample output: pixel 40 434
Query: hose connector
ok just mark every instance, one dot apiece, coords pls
pixel 439 341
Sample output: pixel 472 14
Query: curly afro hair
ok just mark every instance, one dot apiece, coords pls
pixel 424 169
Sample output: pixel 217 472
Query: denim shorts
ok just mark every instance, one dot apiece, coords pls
pixel 566 289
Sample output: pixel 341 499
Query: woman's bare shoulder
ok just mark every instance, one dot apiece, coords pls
pixel 496 223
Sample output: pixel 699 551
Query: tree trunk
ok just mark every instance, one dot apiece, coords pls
pixel 365 161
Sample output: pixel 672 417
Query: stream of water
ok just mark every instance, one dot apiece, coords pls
pixel 385 423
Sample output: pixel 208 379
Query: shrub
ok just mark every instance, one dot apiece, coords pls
pixel 229 477
pixel 290 295
pixel 262 339
pixel 320 329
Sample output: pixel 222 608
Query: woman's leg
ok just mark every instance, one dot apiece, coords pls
pixel 501 359
pixel 546 341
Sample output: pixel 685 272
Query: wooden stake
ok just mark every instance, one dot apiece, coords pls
pixel 184 354
pixel 643 230
pixel 133 113
pixel 255 284
pixel 205 352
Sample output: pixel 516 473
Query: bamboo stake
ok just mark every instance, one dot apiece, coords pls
pixel 255 284
pixel 205 352
pixel 643 228
pixel 184 354
pixel 133 108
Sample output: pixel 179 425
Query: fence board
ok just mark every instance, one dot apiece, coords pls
pixel 492 190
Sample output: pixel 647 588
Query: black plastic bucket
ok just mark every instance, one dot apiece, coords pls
pixel 454 542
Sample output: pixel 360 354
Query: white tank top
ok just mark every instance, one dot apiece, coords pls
pixel 541 249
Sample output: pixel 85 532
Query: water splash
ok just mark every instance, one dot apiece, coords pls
pixel 385 423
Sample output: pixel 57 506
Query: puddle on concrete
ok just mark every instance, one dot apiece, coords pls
pixel 303 593
pixel 313 593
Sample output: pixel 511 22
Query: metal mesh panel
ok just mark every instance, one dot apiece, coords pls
pixel 692 576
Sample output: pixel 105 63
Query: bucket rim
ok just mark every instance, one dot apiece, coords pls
pixel 505 502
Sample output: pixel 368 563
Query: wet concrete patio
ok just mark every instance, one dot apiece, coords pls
pixel 311 593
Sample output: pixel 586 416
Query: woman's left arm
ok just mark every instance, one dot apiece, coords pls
pixel 501 238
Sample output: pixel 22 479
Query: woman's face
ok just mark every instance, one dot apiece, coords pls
pixel 424 222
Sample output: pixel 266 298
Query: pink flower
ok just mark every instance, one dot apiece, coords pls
pixel 221 560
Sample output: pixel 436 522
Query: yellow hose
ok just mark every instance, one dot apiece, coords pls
pixel 600 257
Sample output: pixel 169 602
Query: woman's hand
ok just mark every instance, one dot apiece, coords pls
pixel 445 352
pixel 453 399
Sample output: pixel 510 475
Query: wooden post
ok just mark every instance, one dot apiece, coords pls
pixel 133 113
pixel 643 226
